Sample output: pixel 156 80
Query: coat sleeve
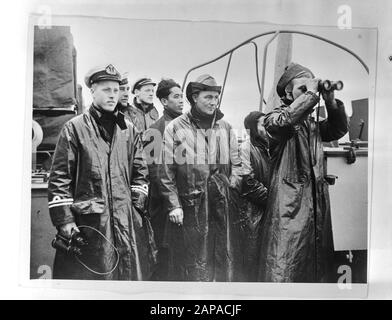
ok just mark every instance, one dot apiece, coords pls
pixel 61 178
pixel 280 122
pixel 336 125
pixel 139 183
pixel 168 171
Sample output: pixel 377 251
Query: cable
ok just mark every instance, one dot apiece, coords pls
pixel 115 249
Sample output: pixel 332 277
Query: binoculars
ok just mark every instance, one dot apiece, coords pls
pixel 70 245
pixel 328 85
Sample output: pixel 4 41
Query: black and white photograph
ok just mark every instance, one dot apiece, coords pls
pixel 213 152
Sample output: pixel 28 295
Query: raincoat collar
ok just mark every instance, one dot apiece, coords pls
pixel 195 117
pixel 170 115
pixel 118 116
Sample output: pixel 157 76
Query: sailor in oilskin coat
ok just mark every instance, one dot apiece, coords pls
pixel 297 234
pixel 170 95
pixel 98 179
pixel 199 156
pixel 253 192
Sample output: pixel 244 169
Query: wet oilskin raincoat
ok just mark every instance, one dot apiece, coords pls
pixel 102 185
pixel 296 232
pixel 205 247
pixel 253 195
pixel 152 142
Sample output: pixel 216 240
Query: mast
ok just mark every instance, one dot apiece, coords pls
pixel 283 57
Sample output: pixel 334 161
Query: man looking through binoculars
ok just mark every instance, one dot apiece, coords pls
pixel 296 233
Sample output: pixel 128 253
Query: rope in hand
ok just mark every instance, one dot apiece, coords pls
pixel 115 249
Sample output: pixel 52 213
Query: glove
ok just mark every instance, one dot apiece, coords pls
pixel 254 191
